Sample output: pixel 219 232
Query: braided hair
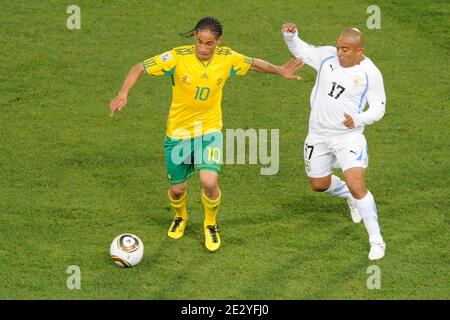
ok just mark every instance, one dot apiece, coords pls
pixel 206 23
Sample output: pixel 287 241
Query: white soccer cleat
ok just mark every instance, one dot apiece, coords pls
pixel 356 216
pixel 377 251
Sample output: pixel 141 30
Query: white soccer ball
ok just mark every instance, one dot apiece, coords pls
pixel 126 250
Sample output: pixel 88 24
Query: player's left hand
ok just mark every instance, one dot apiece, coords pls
pixel 348 122
pixel 290 67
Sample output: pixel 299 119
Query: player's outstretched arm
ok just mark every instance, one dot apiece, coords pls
pixel 121 99
pixel 311 55
pixel 287 70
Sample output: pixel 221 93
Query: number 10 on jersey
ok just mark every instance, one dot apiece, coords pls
pixel 202 93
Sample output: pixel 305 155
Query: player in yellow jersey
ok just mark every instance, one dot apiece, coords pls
pixel 193 138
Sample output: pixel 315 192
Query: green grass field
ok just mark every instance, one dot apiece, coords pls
pixel 71 178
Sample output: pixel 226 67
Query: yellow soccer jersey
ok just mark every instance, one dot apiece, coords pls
pixel 196 87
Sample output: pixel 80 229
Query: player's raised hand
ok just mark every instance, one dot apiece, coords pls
pixel 290 67
pixel 289 27
pixel 348 122
pixel 118 103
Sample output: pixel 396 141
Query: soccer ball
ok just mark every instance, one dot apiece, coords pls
pixel 126 250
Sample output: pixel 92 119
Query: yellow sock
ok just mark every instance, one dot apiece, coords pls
pixel 211 208
pixel 179 205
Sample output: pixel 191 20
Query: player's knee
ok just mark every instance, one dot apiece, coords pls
pixel 319 185
pixel 210 188
pixel 209 182
pixel 176 192
pixel 318 188
pixel 358 190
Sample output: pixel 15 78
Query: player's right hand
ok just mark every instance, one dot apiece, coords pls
pixel 118 103
pixel 289 27
pixel 289 68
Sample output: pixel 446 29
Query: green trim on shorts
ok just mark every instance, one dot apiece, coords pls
pixel 182 180
pixel 208 167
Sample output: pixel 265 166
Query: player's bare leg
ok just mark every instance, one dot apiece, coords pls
pixel 355 179
pixel 336 187
pixel 177 191
pixel 209 181
pixel 211 200
pixel 320 184
pixel 365 202
pixel 178 200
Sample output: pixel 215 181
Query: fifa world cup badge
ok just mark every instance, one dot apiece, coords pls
pixel 166 56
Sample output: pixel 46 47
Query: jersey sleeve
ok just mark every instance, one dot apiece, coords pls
pixel 376 97
pixel 240 64
pixel 162 64
pixel 311 55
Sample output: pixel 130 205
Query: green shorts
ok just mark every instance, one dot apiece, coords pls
pixel 184 156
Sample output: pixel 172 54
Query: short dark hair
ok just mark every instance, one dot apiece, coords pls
pixel 206 23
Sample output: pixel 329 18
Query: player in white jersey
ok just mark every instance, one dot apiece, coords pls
pixel 346 81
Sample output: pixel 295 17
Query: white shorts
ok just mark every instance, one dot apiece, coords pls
pixel 342 152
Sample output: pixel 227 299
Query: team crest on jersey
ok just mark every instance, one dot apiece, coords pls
pixel 219 81
pixel 166 56
pixel 357 81
pixel 186 79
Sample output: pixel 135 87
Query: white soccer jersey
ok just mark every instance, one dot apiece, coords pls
pixel 339 90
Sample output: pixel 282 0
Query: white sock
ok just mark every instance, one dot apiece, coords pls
pixel 368 211
pixel 338 188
